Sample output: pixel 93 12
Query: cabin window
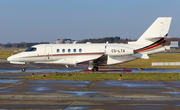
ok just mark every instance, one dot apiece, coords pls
pixel 57 50
pixel 80 50
pixel 63 50
pixel 30 49
pixel 69 50
pixel 74 50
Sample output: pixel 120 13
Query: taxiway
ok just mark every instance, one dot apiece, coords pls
pixel 18 93
pixel 105 95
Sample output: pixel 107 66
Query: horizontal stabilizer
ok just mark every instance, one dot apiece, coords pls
pixel 143 56
pixel 149 38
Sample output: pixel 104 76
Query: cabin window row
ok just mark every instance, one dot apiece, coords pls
pixel 69 50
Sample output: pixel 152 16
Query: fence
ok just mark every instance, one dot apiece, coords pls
pixel 165 64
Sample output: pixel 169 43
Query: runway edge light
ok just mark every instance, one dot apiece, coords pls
pixel 120 77
pixel 32 74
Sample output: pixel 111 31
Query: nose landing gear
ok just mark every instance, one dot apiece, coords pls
pixel 23 68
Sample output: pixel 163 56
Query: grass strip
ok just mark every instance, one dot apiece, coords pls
pixel 107 76
pixel 5 53
pixel 160 57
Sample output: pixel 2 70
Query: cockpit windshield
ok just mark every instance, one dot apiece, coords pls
pixel 30 49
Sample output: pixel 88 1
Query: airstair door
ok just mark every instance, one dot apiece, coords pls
pixel 48 53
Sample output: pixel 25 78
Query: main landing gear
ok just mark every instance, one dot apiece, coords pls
pixel 23 68
pixel 95 68
pixel 92 67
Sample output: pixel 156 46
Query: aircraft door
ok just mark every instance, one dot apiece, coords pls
pixel 48 53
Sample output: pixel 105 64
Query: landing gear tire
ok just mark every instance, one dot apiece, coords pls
pixel 95 68
pixel 23 68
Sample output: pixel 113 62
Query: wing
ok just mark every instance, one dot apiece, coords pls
pixel 76 59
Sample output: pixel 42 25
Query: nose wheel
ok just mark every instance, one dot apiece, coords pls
pixel 23 68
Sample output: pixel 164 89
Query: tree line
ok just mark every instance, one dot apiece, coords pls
pixel 116 39
pixel 20 45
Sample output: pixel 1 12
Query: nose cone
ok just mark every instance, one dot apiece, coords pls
pixel 14 59
pixel 10 58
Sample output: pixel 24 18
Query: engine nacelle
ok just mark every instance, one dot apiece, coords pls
pixel 118 50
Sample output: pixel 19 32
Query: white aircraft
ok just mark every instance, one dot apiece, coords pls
pixel 151 41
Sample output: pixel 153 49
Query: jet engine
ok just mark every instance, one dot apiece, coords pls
pixel 118 54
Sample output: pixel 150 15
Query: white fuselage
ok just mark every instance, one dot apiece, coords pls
pixel 72 54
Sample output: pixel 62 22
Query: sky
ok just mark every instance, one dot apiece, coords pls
pixel 49 20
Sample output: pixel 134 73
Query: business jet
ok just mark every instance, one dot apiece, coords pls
pixel 152 41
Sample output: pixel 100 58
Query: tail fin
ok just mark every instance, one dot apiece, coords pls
pixel 154 37
pixel 159 29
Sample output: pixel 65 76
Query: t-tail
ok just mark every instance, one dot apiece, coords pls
pixel 153 39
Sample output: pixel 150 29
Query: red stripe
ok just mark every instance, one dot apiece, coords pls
pixel 153 46
pixel 148 48
pixel 66 55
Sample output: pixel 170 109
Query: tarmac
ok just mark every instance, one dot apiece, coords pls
pixel 104 95
pixel 16 93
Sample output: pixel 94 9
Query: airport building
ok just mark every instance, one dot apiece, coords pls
pixel 175 45
pixel 63 41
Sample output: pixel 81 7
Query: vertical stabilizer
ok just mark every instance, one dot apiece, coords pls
pixel 159 29
pixel 154 37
